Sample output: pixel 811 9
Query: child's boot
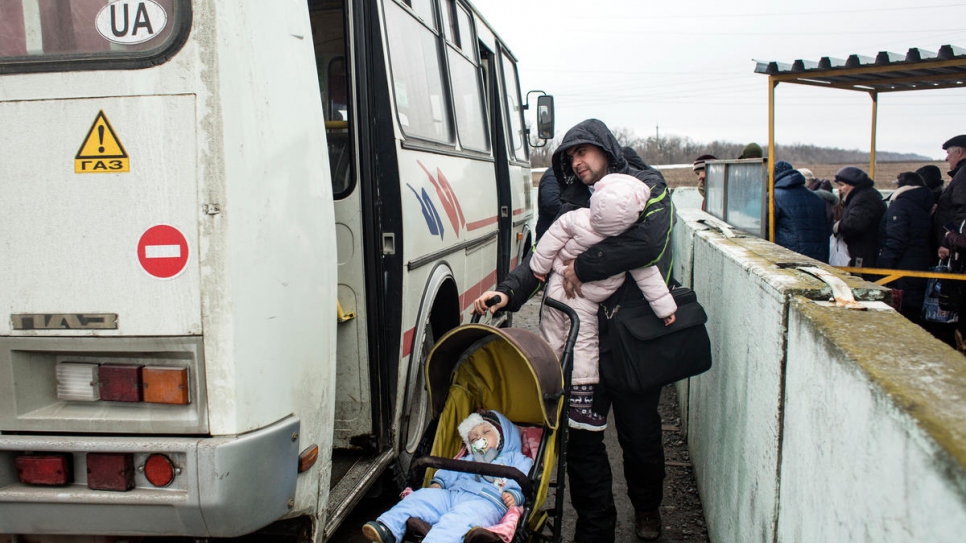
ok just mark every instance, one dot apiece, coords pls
pixel 581 413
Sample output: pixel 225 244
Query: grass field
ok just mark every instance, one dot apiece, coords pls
pixel 885 173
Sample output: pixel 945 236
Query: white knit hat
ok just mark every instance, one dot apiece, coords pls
pixel 467 426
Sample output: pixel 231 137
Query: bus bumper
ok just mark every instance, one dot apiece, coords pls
pixel 225 486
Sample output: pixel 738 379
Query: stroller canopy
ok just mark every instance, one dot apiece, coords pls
pixel 511 370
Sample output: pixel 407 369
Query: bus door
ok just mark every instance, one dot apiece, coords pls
pixel 509 150
pixel 353 410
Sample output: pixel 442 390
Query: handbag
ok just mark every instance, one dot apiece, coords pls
pixel 645 353
pixel 838 251
pixel 943 298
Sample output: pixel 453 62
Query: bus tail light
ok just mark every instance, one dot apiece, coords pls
pixel 110 471
pixel 77 382
pixel 45 469
pixel 159 470
pixel 165 385
pixel 120 382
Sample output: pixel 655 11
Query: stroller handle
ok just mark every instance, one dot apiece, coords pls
pixel 489 303
pixel 478 468
pixel 568 351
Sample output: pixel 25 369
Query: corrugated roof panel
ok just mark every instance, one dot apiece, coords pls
pixel 918 69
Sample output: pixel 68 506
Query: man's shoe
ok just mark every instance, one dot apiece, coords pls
pixel 377 532
pixel 647 524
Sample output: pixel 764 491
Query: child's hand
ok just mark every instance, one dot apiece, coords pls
pixel 541 276
pixel 668 321
pixel 435 485
pixel 509 500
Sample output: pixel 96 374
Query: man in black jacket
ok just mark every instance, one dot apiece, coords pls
pixel 587 153
pixel 548 202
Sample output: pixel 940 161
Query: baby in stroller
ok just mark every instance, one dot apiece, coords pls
pixel 615 205
pixel 456 502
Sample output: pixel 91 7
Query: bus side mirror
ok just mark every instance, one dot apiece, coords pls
pixel 545 117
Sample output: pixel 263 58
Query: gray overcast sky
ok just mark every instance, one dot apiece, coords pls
pixel 686 66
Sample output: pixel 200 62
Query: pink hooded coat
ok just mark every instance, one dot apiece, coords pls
pixel 615 205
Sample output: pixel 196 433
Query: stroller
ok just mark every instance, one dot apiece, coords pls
pixel 515 372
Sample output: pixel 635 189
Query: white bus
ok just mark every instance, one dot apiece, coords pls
pixel 229 232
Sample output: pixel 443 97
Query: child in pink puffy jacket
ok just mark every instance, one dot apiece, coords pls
pixel 616 204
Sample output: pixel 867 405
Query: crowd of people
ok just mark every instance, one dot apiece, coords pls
pixel 917 227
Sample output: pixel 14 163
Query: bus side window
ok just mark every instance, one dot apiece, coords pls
pixel 417 77
pixel 467 79
pixel 328 21
pixel 511 89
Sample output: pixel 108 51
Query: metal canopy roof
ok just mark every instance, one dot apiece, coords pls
pixel 918 69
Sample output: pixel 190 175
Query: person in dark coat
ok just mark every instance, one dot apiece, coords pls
pixel 588 152
pixel 951 206
pixel 861 215
pixel 932 176
pixel 548 201
pixel 947 224
pixel 801 223
pixel 904 237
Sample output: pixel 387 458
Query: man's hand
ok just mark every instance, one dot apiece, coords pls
pixel 479 305
pixel 509 500
pixel 944 252
pixel 571 284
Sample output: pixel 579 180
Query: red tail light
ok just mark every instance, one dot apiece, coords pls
pixel 158 470
pixel 45 469
pixel 110 471
pixel 120 383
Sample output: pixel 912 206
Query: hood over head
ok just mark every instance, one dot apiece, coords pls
pixel 509 433
pixel 593 132
pixel 617 203
pixel 786 176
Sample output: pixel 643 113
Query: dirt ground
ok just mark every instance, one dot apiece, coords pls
pixel 885 172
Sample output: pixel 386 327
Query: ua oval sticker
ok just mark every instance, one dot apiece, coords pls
pixel 131 21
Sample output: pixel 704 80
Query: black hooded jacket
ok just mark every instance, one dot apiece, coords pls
pixel 646 243
pixel 548 202
pixel 904 241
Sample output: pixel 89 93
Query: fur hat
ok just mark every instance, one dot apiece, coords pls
pixel 850 175
pixel 932 175
pixel 752 150
pixel 906 179
pixel 956 141
pixel 699 162
pixel 807 173
pixel 476 419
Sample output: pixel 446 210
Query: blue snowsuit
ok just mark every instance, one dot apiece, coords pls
pixel 466 500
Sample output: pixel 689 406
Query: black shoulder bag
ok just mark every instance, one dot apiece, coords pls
pixel 644 353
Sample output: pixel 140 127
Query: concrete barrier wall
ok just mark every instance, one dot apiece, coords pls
pixel 816 423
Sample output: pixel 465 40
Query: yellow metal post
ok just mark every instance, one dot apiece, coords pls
pixel 771 157
pixel 875 116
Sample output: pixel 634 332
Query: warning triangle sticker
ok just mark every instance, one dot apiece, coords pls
pixel 102 151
